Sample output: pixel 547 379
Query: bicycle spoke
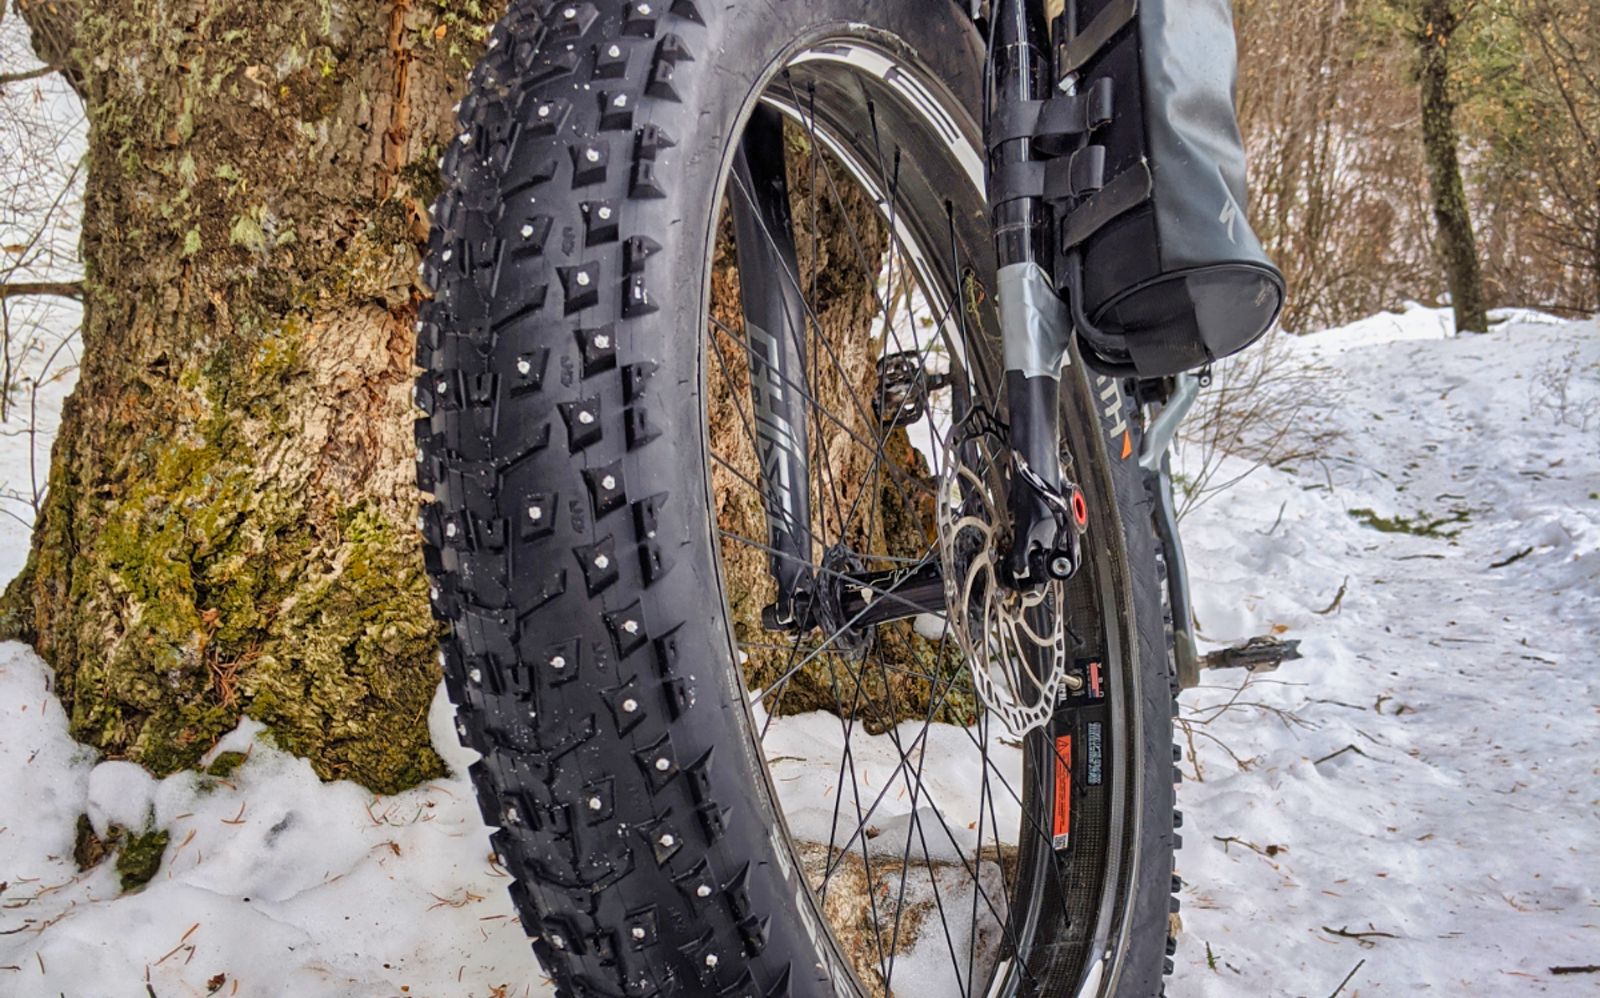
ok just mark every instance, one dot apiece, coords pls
pixel 895 689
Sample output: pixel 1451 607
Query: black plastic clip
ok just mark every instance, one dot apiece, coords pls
pixel 1060 178
pixel 1051 122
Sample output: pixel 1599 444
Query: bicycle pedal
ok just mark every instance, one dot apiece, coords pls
pixel 904 387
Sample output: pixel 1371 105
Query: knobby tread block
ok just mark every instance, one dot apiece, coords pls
pixel 533 269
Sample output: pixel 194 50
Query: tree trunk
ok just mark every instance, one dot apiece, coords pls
pixel 1458 250
pixel 1594 254
pixel 228 529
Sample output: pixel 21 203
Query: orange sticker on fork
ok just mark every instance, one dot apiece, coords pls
pixel 1061 821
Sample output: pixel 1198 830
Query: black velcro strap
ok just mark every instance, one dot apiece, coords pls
pixel 1098 102
pixel 1058 117
pixel 1126 191
pixel 1061 178
pixel 1016 180
pixel 1081 47
pixel 1076 176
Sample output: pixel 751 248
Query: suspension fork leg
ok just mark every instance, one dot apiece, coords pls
pixel 1033 319
pixel 1184 651
pixel 775 325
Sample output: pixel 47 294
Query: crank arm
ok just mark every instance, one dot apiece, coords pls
pixel 1184 650
pixel 1158 435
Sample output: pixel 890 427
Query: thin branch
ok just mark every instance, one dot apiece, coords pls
pixel 6 79
pixel 59 289
pixel 1347 978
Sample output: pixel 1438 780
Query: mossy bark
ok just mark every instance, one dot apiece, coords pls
pixel 229 527
pixel 1458 246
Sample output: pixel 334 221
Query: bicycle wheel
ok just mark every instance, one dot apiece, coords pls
pixel 693 795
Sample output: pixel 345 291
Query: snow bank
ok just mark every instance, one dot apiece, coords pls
pixel 277 882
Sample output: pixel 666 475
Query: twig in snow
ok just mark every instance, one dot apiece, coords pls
pixel 1336 703
pixel 1269 850
pixel 181 941
pixel 1337 599
pixel 1190 731
pixel 1347 978
pixel 467 897
pixel 1334 755
pixel 1216 710
pixel 1272 530
pixel 1194 754
pixel 1288 717
pixel 1364 938
pixel 1588 968
pixel 1383 698
pixel 1514 558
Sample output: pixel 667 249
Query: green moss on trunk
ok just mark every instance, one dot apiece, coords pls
pixel 140 858
pixel 229 529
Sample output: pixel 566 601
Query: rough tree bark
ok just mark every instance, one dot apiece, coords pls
pixel 1437 21
pixel 230 523
pixel 229 529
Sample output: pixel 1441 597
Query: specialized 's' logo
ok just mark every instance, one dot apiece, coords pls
pixel 1230 208
pixel 1229 216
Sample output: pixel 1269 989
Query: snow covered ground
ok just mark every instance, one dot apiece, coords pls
pixel 1415 801
pixel 272 884
pixel 1422 791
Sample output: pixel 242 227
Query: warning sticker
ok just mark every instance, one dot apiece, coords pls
pixel 1061 823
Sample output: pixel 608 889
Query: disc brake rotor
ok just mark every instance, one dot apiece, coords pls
pixel 1014 642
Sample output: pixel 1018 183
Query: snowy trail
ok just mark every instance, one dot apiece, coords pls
pixel 1455 706
pixel 1421 792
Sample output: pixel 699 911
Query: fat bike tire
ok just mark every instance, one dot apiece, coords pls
pixel 567 526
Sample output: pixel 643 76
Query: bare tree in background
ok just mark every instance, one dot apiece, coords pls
pixel 1558 152
pixel 1334 159
pixel 1403 149
pixel 41 191
pixel 1433 27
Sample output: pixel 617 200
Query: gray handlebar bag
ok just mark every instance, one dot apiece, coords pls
pixel 1161 266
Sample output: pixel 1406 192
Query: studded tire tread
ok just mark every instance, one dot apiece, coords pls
pixel 566 545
